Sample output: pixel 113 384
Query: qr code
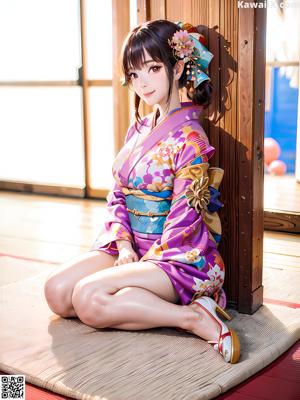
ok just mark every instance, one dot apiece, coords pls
pixel 12 387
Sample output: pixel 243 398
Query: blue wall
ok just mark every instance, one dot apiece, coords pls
pixel 281 120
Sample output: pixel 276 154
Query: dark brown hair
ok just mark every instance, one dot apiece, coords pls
pixel 153 36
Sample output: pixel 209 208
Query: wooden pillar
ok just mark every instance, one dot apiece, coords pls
pixel 250 160
pixel 121 25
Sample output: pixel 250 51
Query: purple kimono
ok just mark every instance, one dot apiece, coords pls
pixel 165 202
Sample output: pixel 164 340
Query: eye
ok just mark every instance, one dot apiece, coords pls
pixel 132 77
pixel 155 68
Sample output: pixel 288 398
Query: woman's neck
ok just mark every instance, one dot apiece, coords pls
pixel 160 114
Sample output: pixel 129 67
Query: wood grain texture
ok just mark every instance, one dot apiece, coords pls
pixel 227 144
pixel 250 160
pixel 283 221
pixel 158 9
pixel 143 9
pixel 281 243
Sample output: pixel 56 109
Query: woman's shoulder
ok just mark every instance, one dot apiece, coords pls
pixel 193 142
pixel 192 132
pixel 193 129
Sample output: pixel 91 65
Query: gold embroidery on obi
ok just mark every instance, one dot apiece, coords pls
pixel 142 195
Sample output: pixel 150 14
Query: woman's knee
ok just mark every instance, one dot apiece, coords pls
pixel 90 303
pixel 60 283
pixel 58 296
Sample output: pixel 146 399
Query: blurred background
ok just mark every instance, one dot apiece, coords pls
pixel 56 95
pixel 282 143
pixel 282 83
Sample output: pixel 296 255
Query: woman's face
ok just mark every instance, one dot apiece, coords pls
pixel 150 83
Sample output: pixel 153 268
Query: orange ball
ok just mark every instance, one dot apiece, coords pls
pixel 271 150
pixel 277 167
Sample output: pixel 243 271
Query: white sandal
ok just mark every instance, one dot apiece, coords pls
pixel 228 344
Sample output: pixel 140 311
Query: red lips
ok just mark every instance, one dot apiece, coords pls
pixel 147 94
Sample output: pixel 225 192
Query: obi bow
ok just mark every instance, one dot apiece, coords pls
pixel 202 194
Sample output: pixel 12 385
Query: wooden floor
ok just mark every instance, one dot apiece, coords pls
pixel 53 230
pixel 282 193
pixel 282 203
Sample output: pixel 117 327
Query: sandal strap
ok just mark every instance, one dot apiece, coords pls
pixel 222 337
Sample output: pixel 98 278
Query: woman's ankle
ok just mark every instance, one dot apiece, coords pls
pixel 201 323
pixel 191 318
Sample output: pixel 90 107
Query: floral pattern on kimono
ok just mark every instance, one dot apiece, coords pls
pixel 170 169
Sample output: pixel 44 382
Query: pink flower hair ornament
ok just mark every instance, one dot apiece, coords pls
pixel 188 44
pixel 182 44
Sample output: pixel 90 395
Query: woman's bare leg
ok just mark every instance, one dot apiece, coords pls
pixel 141 309
pixel 137 296
pixel 60 283
pixel 136 308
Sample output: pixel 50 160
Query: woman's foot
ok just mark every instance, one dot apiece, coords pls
pixel 210 327
pixel 202 324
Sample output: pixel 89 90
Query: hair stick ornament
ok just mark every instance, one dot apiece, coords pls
pixel 188 44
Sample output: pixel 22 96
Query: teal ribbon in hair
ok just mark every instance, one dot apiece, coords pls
pixel 201 59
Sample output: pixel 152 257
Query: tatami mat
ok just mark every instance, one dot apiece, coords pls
pixel 70 358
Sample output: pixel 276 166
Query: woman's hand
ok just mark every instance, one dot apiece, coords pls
pixel 126 253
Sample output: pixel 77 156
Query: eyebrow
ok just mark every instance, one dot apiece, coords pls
pixel 146 62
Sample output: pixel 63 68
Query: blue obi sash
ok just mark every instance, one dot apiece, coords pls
pixel 147 216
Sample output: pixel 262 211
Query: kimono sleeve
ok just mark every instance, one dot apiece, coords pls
pixel 117 224
pixel 192 225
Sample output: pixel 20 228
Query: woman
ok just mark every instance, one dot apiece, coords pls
pixel 155 262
